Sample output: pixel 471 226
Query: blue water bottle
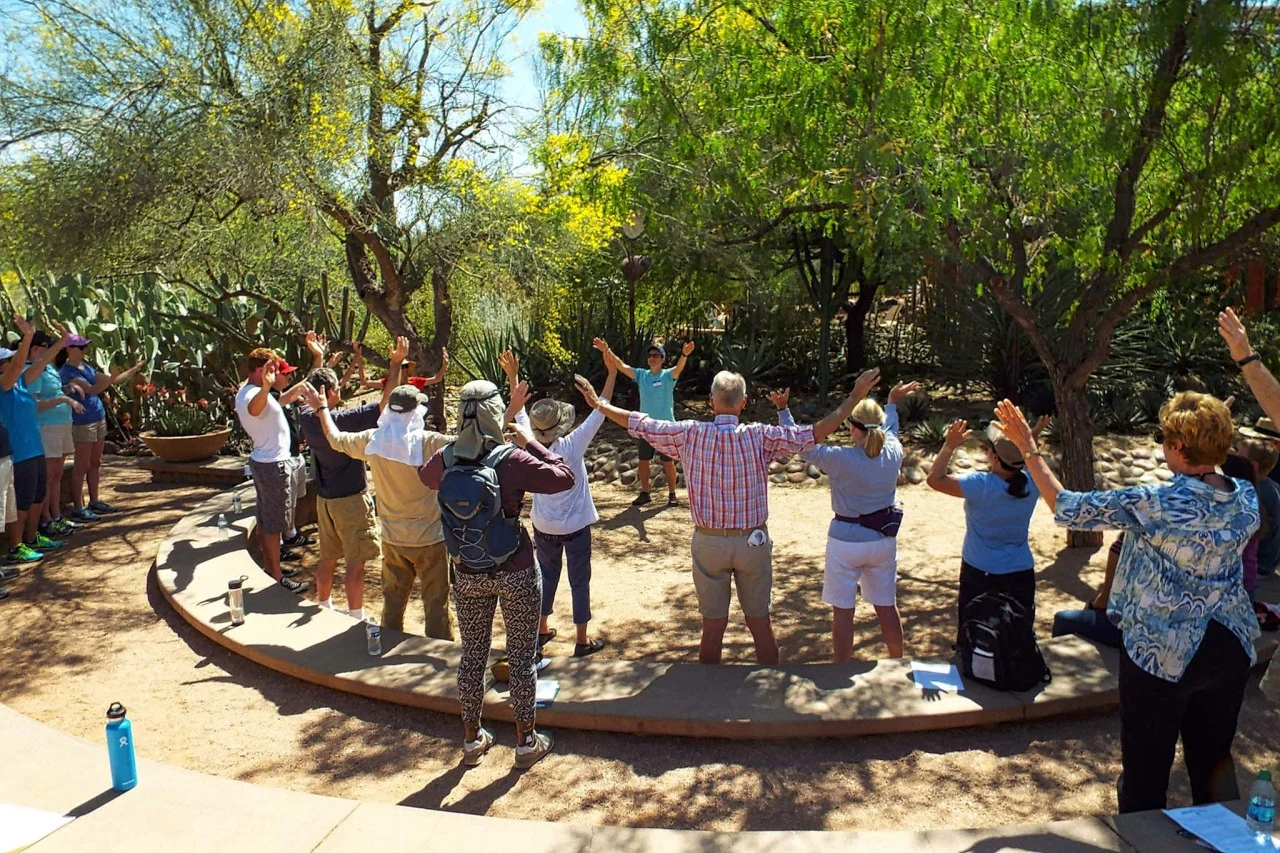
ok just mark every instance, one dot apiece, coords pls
pixel 124 764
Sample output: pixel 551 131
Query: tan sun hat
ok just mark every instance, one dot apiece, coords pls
pixel 1008 452
pixel 551 419
pixel 1263 428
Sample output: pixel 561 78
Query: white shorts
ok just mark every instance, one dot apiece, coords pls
pixel 8 500
pixel 871 566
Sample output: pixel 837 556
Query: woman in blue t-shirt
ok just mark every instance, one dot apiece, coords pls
pixel 88 428
pixel 997 509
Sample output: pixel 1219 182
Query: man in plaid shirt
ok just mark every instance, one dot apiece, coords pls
pixel 726 466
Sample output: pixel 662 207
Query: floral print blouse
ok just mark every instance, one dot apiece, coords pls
pixel 1180 566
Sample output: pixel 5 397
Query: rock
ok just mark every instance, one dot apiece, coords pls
pixel 1132 481
pixel 927 467
pixel 1163 474
pixel 1103 466
pixel 606 447
pixel 1140 453
pixel 611 477
pixel 1103 455
pixel 1159 455
pixel 1150 479
pixel 911 461
pixel 597 477
pixel 797 477
pixel 794 467
pixel 1099 481
pixel 776 467
pixel 915 476
pixel 813 471
pixel 609 466
pixel 627 465
pixel 628 477
pixel 1144 464
pixel 809 483
pixel 962 463
pixel 824 480
pixel 778 478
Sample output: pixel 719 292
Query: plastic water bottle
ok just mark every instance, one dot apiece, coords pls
pixel 235 504
pixel 374 635
pixel 1261 815
pixel 235 600
pixel 124 764
pixel 223 526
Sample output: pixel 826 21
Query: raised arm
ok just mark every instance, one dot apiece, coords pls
pixel 621 417
pixel 106 380
pixel 865 382
pixel 317 345
pixel 897 394
pixel 1263 385
pixel 685 352
pixel 444 368
pixel 356 365
pixel 314 400
pixel 13 370
pixel 258 403
pixel 610 381
pixel 399 352
pixel 38 365
pixel 940 479
pixel 627 370
pixel 1017 430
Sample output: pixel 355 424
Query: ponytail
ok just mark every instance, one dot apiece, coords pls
pixel 869 417
pixel 1017 485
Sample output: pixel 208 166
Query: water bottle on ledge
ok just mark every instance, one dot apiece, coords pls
pixel 124 763
pixel 235 600
pixel 223 526
pixel 235 503
pixel 374 635
pixel 1261 815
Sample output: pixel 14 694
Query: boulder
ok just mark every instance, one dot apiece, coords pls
pixel 809 483
pixel 797 476
pixel 597 476
pixel 628 477
pixel 1140 453
pixel 915 476
pixel 778 478
pixel 776 467
pixel 794 467
pixel 609 466
pixel 964 464
pixel 1144 464
pixel 813 471
pixel 1163 474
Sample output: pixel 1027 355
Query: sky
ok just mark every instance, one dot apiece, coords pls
pixel 557 16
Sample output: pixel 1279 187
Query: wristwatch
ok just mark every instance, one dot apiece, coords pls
pixel 1251 357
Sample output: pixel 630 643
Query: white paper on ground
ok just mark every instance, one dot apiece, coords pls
pixel 937 676
pixel 20 826
pixel 547 690
pixel 1218 825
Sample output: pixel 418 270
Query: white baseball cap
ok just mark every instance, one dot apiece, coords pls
pixel 6 353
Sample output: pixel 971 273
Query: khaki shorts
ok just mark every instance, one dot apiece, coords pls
pixel 89 433
pixel 10 509
pixel 57 440
pixel 722 561
pixel 348 529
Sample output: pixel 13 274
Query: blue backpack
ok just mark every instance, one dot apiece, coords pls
pixel 478 537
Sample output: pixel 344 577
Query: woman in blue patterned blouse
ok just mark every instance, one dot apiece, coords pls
pixel 1188 627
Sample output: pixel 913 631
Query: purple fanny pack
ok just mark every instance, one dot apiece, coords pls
pixel 883 521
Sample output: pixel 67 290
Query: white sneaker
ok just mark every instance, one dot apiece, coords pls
pixel 473 750
pixel 327 603
pixel 357 614
pixel 527 756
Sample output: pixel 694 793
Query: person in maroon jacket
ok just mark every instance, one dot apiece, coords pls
pixel 516 583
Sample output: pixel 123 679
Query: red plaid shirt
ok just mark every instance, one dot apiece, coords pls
pixel 726 464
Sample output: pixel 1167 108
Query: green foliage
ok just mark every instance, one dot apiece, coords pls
pixel 915 408
pixel 743 351
pixel 931 432
pixel 170 413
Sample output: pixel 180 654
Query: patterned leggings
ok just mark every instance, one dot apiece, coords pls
pixel 475 597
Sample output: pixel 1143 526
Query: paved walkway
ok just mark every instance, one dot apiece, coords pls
pixel 174 809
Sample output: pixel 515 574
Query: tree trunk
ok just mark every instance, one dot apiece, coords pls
pixel 1075 437
pixel 442 308
pixel 855 326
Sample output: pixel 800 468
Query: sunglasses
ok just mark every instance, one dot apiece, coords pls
pixel 655 355
pixel 1159 436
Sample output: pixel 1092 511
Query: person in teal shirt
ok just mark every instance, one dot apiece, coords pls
pixel 657 400
pixel 54 409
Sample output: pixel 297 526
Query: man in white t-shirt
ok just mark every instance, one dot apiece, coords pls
pixel 278 477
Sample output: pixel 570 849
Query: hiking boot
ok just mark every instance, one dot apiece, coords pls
pixel 296 587
pixel 44 543
pixel 527 756
pixel 24 553
pixel 101 506
pixel 86 515
pixel 641 499
pixel 473 750
pixel 299 541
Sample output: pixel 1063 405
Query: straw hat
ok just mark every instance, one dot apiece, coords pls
pixel 551 419
pixel 1264 428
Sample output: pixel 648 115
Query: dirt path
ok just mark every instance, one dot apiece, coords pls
pixel 88 627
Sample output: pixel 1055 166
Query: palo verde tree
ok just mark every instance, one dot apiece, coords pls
pixel 365 115
pixel 1089 155
pixel 781 126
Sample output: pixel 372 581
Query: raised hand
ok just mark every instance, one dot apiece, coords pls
pixel 444 368
pixel 62 330
pixel 587 390
pixel 24 325
pixel 311 397
pixel 781 398
pixel 902 391
pixel 687 349
pixel 269 373
pixel 957 434
pixel 400 350
pixel 1015 426
pixel 1229 402
pixel 600 344
pixel 519 434
pixel 510 366
pixel 1232 331
pixel 317 345
pixel 867 380
pixel 357 350
pixel 335 359
pixel 519 397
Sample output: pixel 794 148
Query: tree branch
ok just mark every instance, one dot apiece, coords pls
pixel 783 216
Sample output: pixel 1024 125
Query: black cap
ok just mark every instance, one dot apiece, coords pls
pixel 42 339
pixel 115 712
pixel 235 584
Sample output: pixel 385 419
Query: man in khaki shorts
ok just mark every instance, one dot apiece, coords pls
pixel 344 508
pixel 726 465
pixel 409 514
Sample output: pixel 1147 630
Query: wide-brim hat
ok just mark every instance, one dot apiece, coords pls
pixel 551 419
pixel 1008 452
pixel 1263 428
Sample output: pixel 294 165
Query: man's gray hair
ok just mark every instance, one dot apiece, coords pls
pixel 323 379
pixel 728 389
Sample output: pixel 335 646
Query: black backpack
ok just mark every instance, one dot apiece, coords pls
pixel 998 644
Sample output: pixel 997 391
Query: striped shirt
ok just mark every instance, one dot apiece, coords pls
pixel 726 464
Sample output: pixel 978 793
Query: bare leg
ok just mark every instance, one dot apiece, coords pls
pixel 890 629
pixel 766 644
pixel 841 634
pixel 324 578
pixel 582 633
pixel 84 455
pixel 271 553
pixel 712 639
pixel 355 586
pixel 95 470
pixel 644 475
pixel 669 468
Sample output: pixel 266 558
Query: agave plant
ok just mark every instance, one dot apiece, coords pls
pixel 915 408
pixel 930 432
pixel 748 355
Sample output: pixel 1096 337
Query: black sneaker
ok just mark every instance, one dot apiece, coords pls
pixel 289 571
pixel 297 587
pixel 4 593
pixel 641 499
pixel 288 556
pixel 8 573
pixel 299 541
pixel 672 500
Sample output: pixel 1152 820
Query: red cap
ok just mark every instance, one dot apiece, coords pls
pixel 419 382
pixel 284 367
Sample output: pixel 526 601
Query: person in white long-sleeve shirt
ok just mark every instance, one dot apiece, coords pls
pixel 562 522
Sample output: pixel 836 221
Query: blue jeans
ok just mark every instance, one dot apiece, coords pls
pixel 1090 624
pixel 575 549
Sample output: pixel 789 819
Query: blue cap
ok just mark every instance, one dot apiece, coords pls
pixel 659 348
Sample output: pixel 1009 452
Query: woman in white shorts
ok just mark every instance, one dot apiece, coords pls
pixel 862 545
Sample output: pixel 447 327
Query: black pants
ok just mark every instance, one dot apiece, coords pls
pixel 974 582
pixel 1203 707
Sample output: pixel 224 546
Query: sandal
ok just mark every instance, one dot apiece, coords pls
pixel 543 639
pixel 581 650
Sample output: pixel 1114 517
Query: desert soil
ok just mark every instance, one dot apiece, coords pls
pixel 89 627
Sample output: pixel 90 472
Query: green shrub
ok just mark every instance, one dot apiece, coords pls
pixel 931 432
